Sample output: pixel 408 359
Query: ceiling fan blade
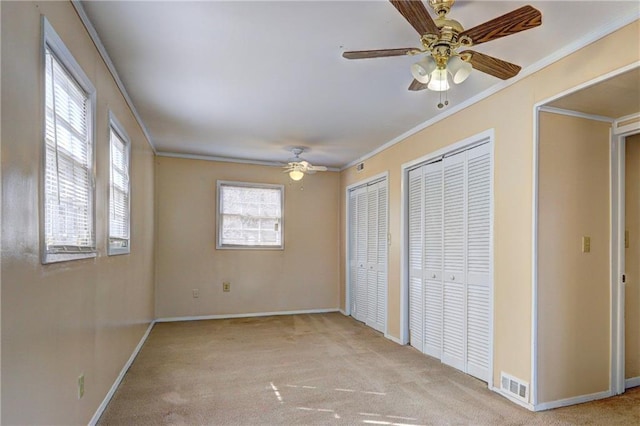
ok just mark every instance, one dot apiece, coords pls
pixel 381 53
pixel 417 15
pixel 521 19
pixel 416 85
pixel 318 168
pixel 490 65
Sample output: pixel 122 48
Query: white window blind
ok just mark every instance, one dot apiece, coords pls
pixel 119 198
pixel 250 215
pixel 68 176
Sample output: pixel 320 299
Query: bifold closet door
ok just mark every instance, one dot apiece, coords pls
pixel 416 258
pixel 353 251
pixel 479 264
pixel 368 249
pixel 450 275
pixel 433 259
pixel 425 258
pixel 360 311
pixel 381 258
pixel 454 288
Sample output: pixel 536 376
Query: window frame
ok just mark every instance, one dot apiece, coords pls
pixel 53 42
pixel 219 244
pixel 118 129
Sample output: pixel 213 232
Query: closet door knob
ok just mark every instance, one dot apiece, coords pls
pixel 453 277
pixel 433 275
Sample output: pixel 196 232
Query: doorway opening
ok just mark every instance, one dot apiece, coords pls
pixel 581 322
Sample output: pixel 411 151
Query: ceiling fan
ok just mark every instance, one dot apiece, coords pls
pixel 441 38
pixel 297 167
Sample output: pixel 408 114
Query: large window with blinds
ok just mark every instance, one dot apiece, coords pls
pixel 250 216
pixel 68 189
pixel 119 189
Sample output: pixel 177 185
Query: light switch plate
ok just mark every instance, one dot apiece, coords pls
pixel 586 244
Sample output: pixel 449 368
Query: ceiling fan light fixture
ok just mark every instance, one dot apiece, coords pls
pixel 458 69
pixel 296 175
pixel 439 81
pixel 422 70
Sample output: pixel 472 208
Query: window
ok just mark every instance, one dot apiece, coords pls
pixel 119 148
pixel 250 215
pixel 68 191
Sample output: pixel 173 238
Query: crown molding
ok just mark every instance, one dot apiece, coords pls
pixel 112 69
pixel 578 114
pixel 229 160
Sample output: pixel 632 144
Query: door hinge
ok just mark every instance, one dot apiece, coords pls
pixel 624 278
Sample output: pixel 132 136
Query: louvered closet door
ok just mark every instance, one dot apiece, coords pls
pixel 372 254
pixel 361 254
pixel 479 273
pixel 454 290
pixel 368 228
pixel 432 282
pixel 381 311
pixel 416 259
pixel 353 249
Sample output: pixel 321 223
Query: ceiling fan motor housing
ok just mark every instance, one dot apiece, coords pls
pixel 441 7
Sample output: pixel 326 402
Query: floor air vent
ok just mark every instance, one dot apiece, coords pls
pixel 514 387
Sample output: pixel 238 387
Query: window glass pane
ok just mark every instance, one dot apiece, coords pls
pixel 119 198
pixel 250 215
pixel 68 189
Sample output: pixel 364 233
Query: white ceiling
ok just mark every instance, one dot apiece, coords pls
pixel 247 80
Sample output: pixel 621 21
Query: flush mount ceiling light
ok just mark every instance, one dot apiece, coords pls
pixel 297 167
pixel 441 38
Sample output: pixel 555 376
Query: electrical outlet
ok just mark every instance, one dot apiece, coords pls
pixel 226 286
pixel 80 386
pixel 196 293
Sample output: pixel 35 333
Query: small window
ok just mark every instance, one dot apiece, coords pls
pixel 68 190
pixel 119 189
pixel 250 215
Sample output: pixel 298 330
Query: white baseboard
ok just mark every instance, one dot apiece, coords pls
pixel 343 312
pixel 248 315
pixel 124 370
pixel 572 401
pixel 393 339
pixel 523 404
pixel 632 382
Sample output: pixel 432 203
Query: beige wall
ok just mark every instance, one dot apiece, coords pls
pixel 632 257
pixel 302 276
pixel 573 287
pixel 81 317
pixel 510 113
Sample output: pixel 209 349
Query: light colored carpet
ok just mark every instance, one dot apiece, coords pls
pixel 315 370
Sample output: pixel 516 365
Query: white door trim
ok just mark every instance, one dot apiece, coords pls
pixel 615 316
pixel 618 143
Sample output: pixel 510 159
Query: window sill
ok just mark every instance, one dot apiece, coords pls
pixel 230 247
pixel 66 257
